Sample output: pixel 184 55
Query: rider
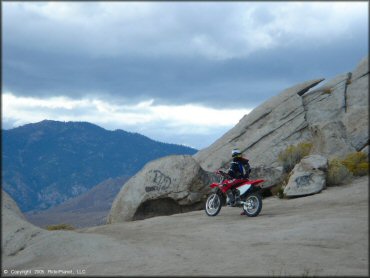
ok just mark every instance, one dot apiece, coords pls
pixel 239 166
pixel 239 169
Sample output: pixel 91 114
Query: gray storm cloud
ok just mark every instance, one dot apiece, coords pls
pixel 175 52
pixel 211 54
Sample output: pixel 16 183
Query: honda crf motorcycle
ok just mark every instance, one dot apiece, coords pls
pixel 235 193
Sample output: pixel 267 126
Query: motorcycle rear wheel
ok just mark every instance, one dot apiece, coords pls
pixel 253 205
pixel 213 204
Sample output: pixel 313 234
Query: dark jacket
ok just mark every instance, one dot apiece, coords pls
pixel 239 168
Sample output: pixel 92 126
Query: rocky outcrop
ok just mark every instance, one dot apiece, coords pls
pixel 356 116
pixel 271 175
pixel 333 117
pixel 330 139
pixel 264 132
pixel 165 186
pixel 308 177
pixel 343 100
pixel 366 150
pixel 25 246
pixel 9 204
pixel 305 232
pixel 16 230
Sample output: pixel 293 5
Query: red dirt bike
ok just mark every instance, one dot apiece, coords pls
pixel 246 194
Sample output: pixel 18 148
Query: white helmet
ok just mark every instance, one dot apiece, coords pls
pixel 236 153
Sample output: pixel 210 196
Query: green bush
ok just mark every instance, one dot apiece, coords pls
pixel 293 154
pixel 357 163
pixel 337 173
pixel 60 227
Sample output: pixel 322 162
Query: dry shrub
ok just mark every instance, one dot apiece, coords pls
pixel 280 193
pixel 278 190
pixel 60 227
pixel 327 91
pixel 341 171
pixel 337 173
pixel 293 154
pixel 357 163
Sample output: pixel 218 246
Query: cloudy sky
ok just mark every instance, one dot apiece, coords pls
pixel 179 72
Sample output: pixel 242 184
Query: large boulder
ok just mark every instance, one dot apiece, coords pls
pixel 308 177
pixel 272 175
pixel 340 109
pixel 16 232
pixel 9 204
pixel 330 139
pixel 25 246
pixel 334 118
pixel 356 114
pixel 169 185
pixel 365 150
pixel 264 132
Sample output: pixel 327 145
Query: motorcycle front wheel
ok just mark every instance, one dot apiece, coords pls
pixel 253 205
pixel 213 204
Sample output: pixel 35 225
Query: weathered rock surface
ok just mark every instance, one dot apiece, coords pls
pixel 330 139
pixel 16 231
pixel 271 175
pixel 366 150
pixel 264 132
pixel 356 116
pixel 326 243
pixel 345 102
pixel 9 204
pixel 169 185
pixel 308 176
pixel 25 246
pixel 333 117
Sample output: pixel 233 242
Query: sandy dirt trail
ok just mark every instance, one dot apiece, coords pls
pixel 322 234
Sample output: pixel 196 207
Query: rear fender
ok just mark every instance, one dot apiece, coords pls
pixel 251 185
pixel 244 188
pixel 255 182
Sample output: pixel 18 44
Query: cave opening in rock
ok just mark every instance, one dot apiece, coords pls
pixel 161 207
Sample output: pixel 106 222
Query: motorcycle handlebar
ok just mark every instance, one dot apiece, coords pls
pixel 226 175
pixel 222 173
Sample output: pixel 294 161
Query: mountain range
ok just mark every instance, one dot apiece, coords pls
pixel 49 162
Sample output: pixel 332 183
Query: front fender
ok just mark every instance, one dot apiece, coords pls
pixel 213 185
